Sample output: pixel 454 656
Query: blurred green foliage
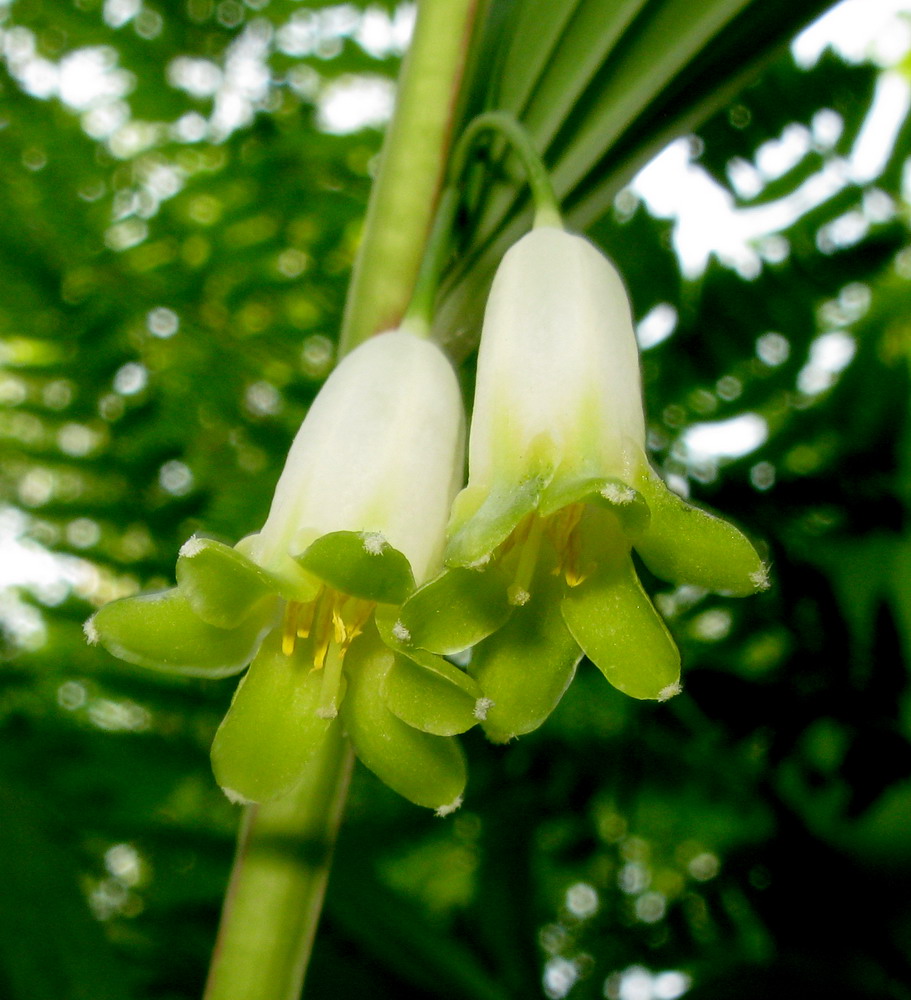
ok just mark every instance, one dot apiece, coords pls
pixel 177 225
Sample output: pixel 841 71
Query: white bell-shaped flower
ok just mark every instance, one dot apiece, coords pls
pixel 559 491
pixel 358 517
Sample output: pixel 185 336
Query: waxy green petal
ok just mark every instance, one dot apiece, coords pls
pixel 161 631
pixel 432 694
pixel 427 770
pixel 272 729
pixel 455 611
pixel 613 620
pixel 684 544
pixel 360 563
pixel 482 519
pixel 525 668
pixel 221 585
pixel 611 493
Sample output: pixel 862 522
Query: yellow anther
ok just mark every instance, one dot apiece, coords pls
pixel 320 648
pixel 338 623
pixel 332 621
pixel 563 530
pixel 357 612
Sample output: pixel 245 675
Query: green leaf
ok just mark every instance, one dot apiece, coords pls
pixel 432 694
pixel 525 667
pixel 221 585
pixel 456 610
pixel 360 563
pixel 161 632
pixel 684 544
pixel 613 620
pixel 427 770
pixel 272 729
pixel 51 945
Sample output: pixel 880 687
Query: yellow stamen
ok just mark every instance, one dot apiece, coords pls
pixel 519 591
pixel 568 545
pixel 289 627
pixel 332 677
pixel 355 614
pixel 322 631
pixel 338 623
pixel 331 622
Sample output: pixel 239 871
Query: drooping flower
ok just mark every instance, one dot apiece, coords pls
pixel 559 492
pixel 357 519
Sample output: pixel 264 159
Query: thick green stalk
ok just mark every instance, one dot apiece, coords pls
pixel 412 168
pixel 278 881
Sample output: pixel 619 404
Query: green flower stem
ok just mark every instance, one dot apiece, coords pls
pixel 278 881
pixel 412 168
pixel 419 315
pixel 547 208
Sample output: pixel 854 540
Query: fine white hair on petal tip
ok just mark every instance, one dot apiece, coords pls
pixel 760 578
pixel 481 707
pixel 400 631
pixel 451 808
pixel 519 597
pixel 617 493
pixel 91 632
pixel 374 543
pixel 192 547
pixel 669 691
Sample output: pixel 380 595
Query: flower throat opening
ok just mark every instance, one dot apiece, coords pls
pixel 329 623
pixel 523 548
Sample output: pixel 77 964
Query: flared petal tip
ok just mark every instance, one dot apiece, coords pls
pixel 91 631
pixel 666 693
pixel 235 798
pixel 446 810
